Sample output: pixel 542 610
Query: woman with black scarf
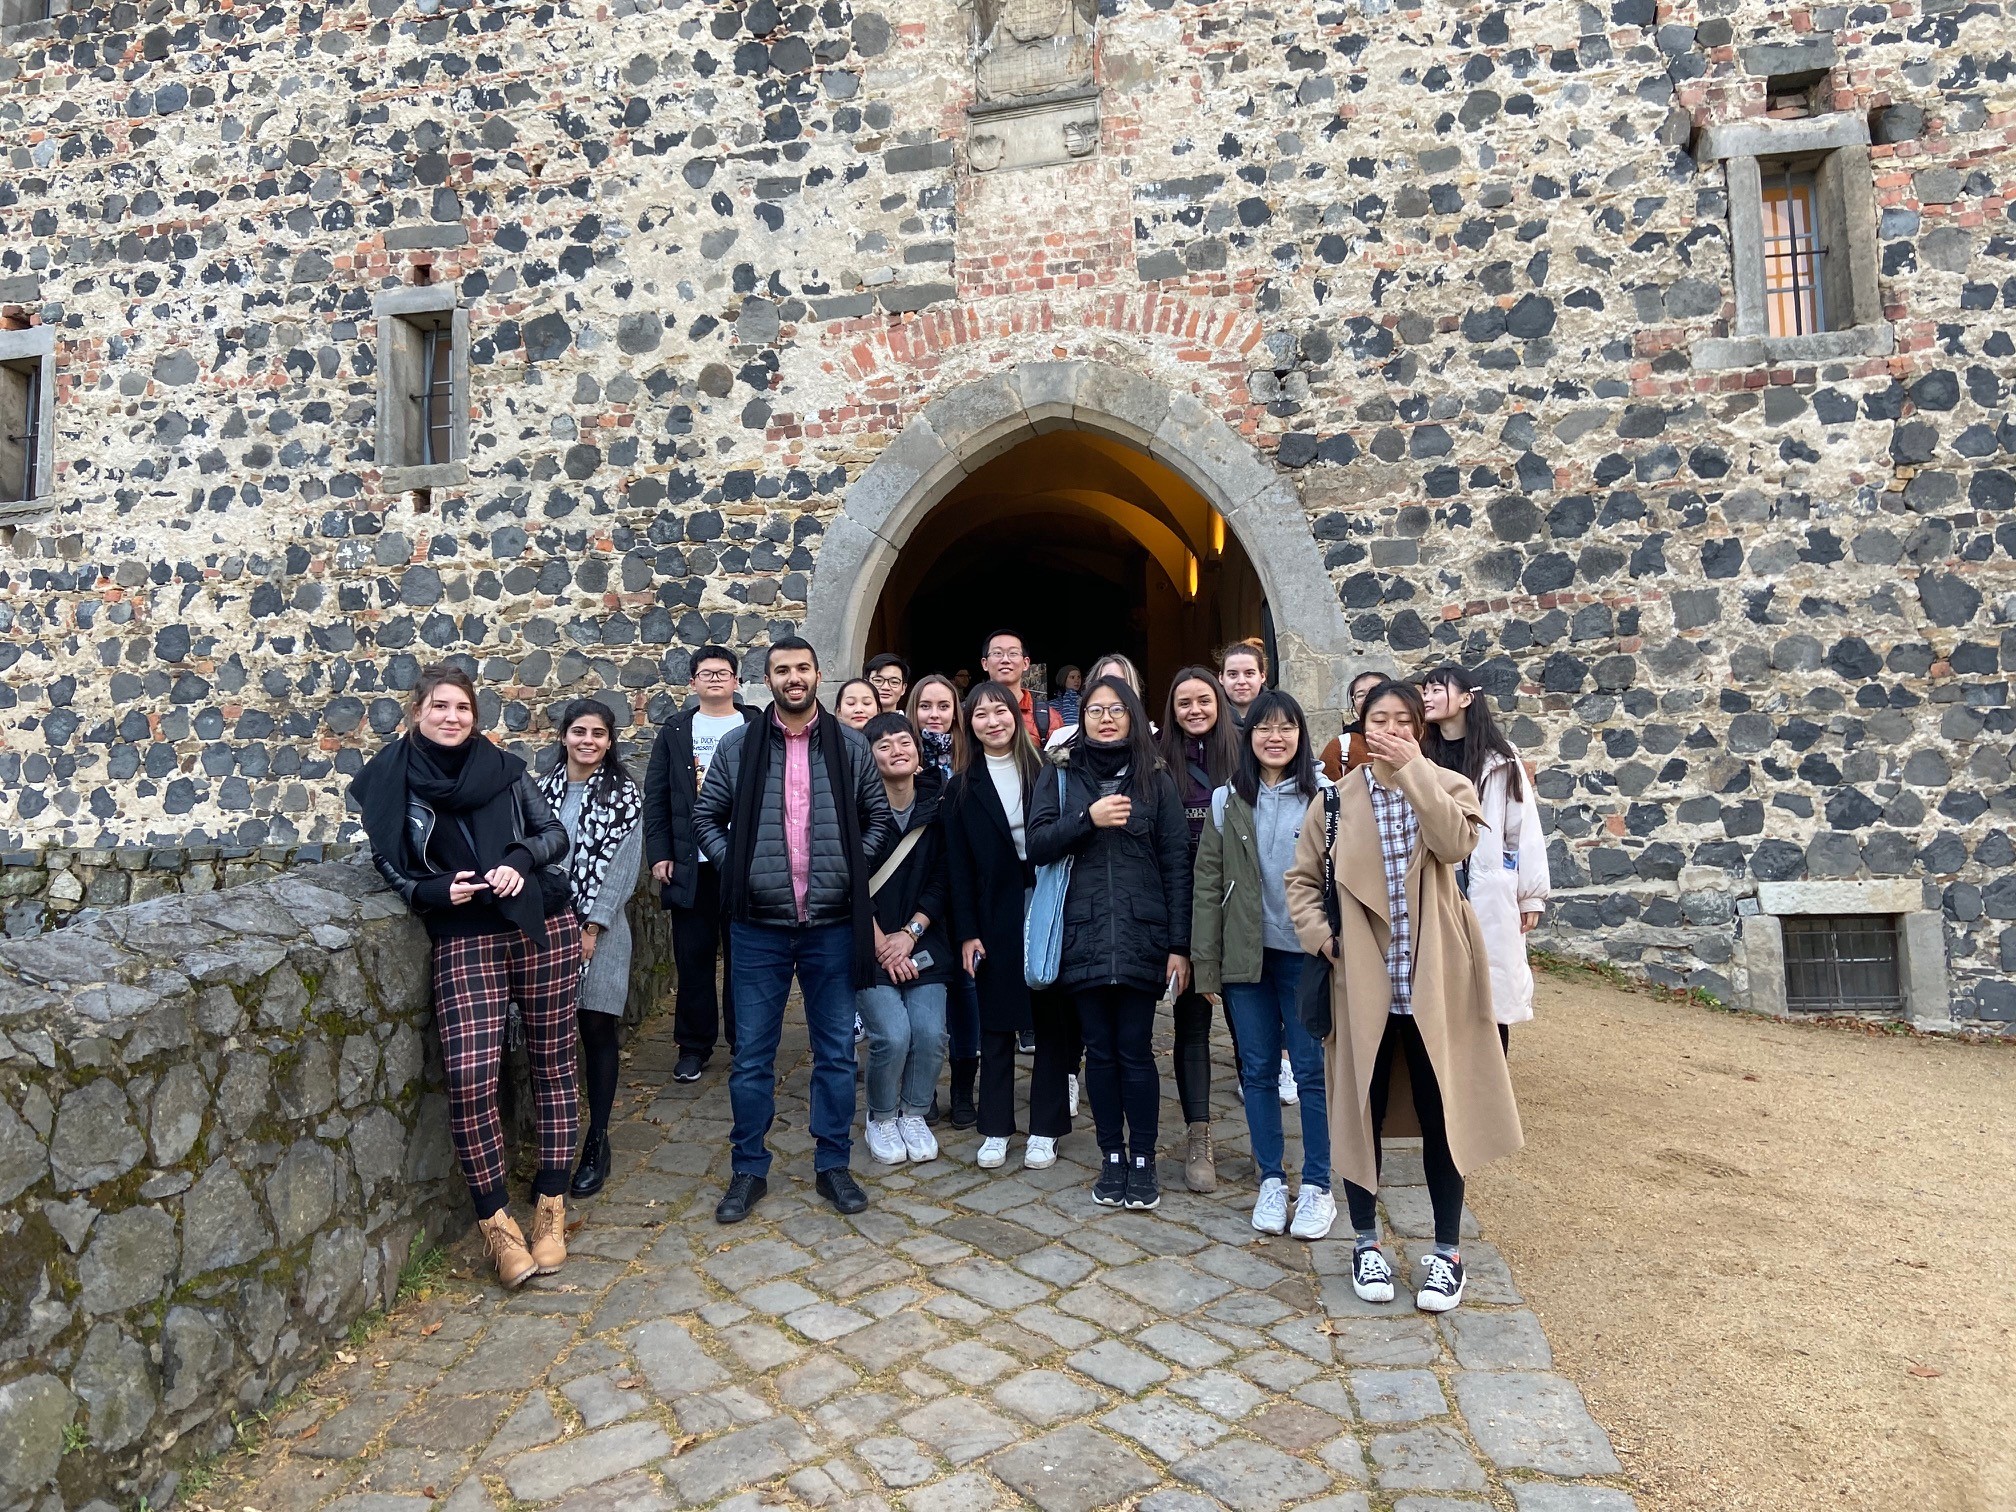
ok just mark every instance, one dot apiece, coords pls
pixel 1126 920
pixel 459 831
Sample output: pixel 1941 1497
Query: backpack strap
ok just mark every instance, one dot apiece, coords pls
pixel 1219 799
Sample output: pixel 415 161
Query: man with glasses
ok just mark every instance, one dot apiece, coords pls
pixel 688 884
pixel 889 675
pixel 1004 660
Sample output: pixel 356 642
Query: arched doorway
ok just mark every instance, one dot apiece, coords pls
pixel 1082 543
pixel 955 438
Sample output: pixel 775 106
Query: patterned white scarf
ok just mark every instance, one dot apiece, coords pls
pixel 605 823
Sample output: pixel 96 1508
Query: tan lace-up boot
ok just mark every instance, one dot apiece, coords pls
pixel 1200 1166
pixel 549 1235
pixel 506 1242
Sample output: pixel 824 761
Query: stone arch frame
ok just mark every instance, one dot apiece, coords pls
pixel 980 420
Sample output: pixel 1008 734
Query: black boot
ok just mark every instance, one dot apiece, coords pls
pixel 594 1167
pixel 964 1113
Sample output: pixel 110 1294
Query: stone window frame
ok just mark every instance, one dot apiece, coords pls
pixel 404 316
pixel 13 28
pixel 1839 144
pixel 1921 940
pixel 35 345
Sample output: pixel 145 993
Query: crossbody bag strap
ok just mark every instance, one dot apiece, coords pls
pixel 896 859
pixel 1331 808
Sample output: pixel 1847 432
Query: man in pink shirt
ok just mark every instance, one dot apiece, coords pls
pixel 794 815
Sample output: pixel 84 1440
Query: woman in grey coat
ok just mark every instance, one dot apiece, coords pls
pixel 601 808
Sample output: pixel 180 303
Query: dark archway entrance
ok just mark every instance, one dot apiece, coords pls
pixel 1083 544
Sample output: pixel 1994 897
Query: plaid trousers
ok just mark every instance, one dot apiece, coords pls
pixel 476 978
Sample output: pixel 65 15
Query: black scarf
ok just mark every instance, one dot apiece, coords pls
pixel 751 781
pixel 470 789
pixel 1105 763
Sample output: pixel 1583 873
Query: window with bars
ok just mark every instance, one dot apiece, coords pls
pixel 437 399
pixel 1842 964
pixel 423 389
pixel 27 373
pixel 1795 301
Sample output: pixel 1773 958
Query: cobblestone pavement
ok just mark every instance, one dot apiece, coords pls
pixel 973 1340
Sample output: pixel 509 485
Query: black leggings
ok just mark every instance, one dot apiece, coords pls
pixel 598 1066
pixel 1125 1090
pixel 1193 1056
pixel 1445 1182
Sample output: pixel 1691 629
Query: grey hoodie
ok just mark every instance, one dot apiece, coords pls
pixel 1277 825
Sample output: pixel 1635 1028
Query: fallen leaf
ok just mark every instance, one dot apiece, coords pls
pixel 681 1445
pixel 1925 1372
pixel 381 1364
pixel 307 1433
pixel 430 1330
pixel 344 1357
pixel 575 1227
pixel 628 1383
pixel 429 1491
pixel 1329 1326
pixel 318 1473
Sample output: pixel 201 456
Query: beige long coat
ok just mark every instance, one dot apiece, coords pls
pixel 1452 978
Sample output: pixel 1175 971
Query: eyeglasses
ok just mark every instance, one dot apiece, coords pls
pixel 887 679
pixel 1105 711
pixel 713 674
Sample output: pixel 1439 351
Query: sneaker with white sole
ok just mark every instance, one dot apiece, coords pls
pixel 1371 1276
pixel 1315 1211
pixel 1071 1085
pixel 1270 1213
pixel 1040 1153
pixel 918 1140
pixel 993 1153
pixel 885 1141
pixel 1442 1283
pixel 1290 1095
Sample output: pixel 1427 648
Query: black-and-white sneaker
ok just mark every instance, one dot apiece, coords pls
pixel 1371 1276
pixel 1143 1190
pixel 1110 1190
pixel 1441 1284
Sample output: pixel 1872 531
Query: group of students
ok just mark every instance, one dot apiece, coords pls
pixel 884 855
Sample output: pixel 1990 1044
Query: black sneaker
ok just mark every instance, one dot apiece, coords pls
pixel 839 1187
pixel 1442 1283
pixel 1025 1042
pixel 1371 1276
pixel 1143 1191
pixel 744 1192
pixel 691 1064
pixel 1110 1190
pixel 933 1115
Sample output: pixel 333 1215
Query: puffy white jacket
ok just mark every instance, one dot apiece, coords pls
pixel 1508 877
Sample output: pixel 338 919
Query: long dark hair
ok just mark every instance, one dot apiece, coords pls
pixel 1273 704
pixel 1482 738
pixel 610 778
pixel 1143 759
pixel 966 751
pixel 1221 741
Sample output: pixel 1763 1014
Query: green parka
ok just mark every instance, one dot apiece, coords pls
pixel 1225 907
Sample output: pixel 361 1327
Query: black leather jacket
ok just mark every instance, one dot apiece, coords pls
pixel 534 830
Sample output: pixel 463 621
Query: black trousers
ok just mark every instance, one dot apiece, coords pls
pixel 699 939
pixel 1118 1025
pixel 1445 1182
pixel 1193 1056
pixel 1055 1022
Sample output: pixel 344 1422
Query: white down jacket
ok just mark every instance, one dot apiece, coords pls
pixel 1508 877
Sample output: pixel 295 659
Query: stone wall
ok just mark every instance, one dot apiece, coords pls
pixel 1444 271
pixel 42 889
pixel 222 1131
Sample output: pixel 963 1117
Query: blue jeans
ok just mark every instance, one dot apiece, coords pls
pixel 906 1046
pixel 1266 1023
pixel 764 958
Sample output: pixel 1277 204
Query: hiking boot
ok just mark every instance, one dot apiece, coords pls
pixel 549 1234
pixel 1200 1169
pixel 506 1243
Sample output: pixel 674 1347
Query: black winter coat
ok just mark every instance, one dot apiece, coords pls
pixel 989 886
pixel 919 886
pixel 668 806
pixel 830 897
pixel 421 880
pixel 1128 907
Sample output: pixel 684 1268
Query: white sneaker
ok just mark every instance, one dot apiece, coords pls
pixel 918 1139
pixel 993 1152
pixel 1270 1213
pixel 1040 1154
pixel 885 1141
pixel 1442 1283
pixel 1371 1276
pixel 1071 1081
pixel 1289 1095
pixel 1315 1211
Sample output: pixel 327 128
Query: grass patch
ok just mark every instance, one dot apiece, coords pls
pixel 1555 964
pixel 425 1269
pixel 76 1437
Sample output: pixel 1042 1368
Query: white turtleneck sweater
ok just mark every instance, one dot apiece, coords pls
pixel 1008 783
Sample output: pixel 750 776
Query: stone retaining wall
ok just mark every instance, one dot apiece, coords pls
pixel 222 1131
pixel 44 889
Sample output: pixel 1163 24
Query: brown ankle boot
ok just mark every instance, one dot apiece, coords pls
pixel 506 1242
pixel 1200 1168
pixel 549 1235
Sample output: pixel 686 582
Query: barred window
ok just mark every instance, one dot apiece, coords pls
pixel 1794 259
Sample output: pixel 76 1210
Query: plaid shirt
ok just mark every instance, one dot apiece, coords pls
pixel 1399 833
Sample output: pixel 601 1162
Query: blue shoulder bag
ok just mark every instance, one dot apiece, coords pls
pixel 1043 925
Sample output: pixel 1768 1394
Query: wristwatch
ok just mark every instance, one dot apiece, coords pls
pixel 915 929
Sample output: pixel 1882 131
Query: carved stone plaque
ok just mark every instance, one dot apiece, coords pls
pixel 1036 98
